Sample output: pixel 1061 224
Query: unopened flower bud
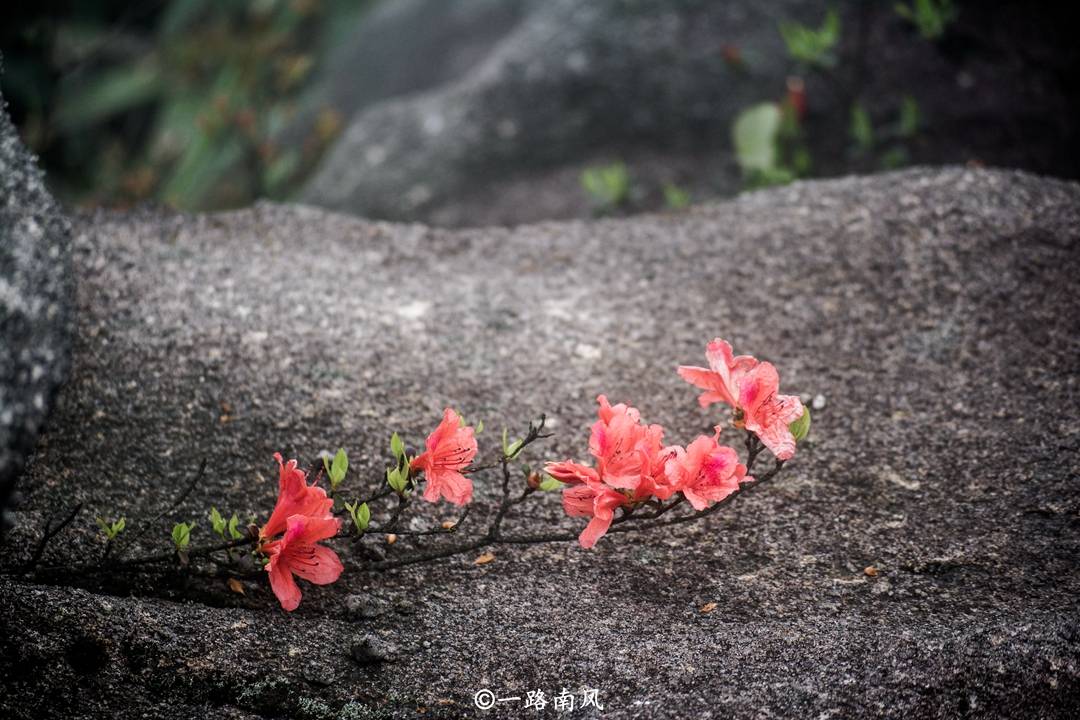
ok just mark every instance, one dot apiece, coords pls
pixel 534 480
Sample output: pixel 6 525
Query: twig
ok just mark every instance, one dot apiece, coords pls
pixel 50 531
pixel 188 489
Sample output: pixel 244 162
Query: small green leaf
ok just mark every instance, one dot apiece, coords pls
pixel 181 535
pixel 479 427
pixel 234 531
pixel 397 446
pixel 217 523
pixel 111 529
pixel 514 449
pixel 339 468
pixel 548 484
pixel 398 479
pixel 801 427
pixel 362 517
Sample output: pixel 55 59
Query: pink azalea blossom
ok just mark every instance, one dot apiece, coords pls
pixel 630 468
pixel 297 553
pixel 768 414
pixel 721 380
pixel 706 472
pixel 628 452
pixel 751 388
pixel 295 497
pixel 596 501
pixel 450 449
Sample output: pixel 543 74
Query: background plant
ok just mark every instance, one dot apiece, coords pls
pixel 177 101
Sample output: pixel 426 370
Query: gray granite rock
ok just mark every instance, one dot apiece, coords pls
pixel 569 78
pixel 35 305
pixel 646 82
pixel 936 310
pixel 401 47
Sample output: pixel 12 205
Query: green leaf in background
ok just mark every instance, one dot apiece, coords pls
pixel 397 447
pixel 931 17
pixel 754 135
pixel 608 185
pixel 910 118
pixel 675 197
pixel 813 47
pixel 862 129
pixel 893 158
pixel 112 92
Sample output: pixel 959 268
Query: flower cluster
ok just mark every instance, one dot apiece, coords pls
pixel 300 519
pixel 633 466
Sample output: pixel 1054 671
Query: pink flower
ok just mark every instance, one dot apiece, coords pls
pixel 596 501
pixel 768 414
pixel 721 381
pixel 626 450
pixel 297 553
pixel 750 387
pixel 706 472
pixel 450 449
pixel 295 497
pixel 572 473
pixel 630 462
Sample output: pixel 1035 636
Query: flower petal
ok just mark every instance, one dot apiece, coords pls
pixel 316 564
pixel 283 584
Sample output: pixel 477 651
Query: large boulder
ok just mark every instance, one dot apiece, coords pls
pixel 570 78
pixel 652 83
pixel 35 305
pixel 935 311
pixel 401 47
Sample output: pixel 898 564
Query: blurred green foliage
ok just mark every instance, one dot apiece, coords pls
pixel 930 17
pixel 813 46
pixel 175 100
pixel 608 186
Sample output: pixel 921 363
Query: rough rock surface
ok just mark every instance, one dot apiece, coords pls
pixel 575 84
pixel 936 311
pixel 35 304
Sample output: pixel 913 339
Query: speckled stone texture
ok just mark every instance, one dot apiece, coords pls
pixel 936 311
pixel 35 305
